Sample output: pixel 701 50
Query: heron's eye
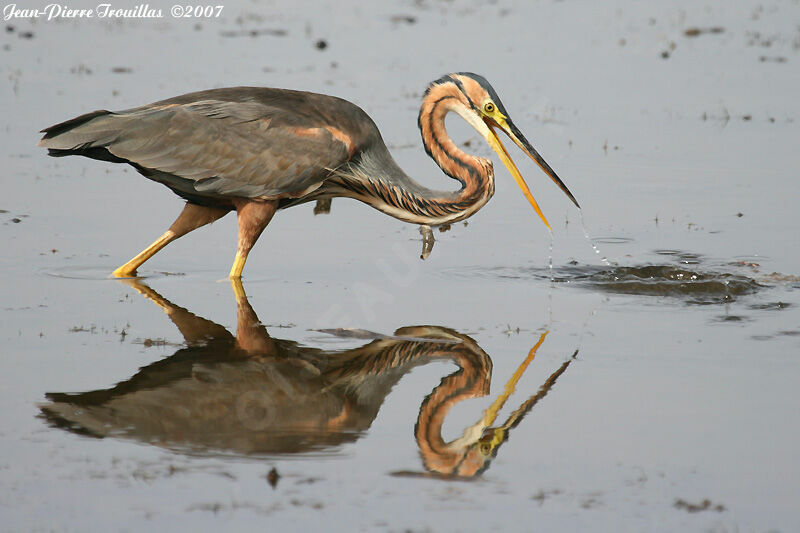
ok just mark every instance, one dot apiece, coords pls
pixel 488 107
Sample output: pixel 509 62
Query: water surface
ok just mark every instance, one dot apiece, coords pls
pixel 358 386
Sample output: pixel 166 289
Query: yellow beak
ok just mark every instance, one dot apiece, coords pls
pixel 511 130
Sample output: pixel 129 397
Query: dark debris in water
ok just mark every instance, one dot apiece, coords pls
pixel 705 505
pixel 694 32
pixel 773 59
pixel 403 19
pixel 272 477
pixel 149 343
pixel 275 32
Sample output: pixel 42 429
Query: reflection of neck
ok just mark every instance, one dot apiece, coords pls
pixel 460 456
pixel 470 381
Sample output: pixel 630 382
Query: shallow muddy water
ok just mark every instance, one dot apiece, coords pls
pixel 348 383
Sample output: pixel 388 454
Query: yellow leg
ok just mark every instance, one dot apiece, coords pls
pixel 192 217
pixel 238 264
pixel 253 215
pixel 129 269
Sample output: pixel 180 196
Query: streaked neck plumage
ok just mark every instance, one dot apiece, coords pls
pixel 376 178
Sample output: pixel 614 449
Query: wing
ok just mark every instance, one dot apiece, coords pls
pixel 228 142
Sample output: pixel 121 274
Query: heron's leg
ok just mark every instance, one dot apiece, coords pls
pixel 192 217
pixel 254 215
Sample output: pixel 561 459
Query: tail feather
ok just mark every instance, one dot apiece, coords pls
pixel 67 125
pixel 86 135
pixel 83 131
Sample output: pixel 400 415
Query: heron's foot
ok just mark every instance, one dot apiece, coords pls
pixel 124 272
pixel 323 207
pixel 427 241
pixel 128 270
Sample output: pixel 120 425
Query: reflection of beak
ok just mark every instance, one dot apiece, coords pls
pixel 519 139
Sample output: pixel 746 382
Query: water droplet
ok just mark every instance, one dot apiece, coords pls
pixel 603 258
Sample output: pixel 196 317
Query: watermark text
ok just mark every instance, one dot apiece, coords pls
pixel 111 11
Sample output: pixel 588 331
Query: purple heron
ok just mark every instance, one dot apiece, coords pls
pixel 258 150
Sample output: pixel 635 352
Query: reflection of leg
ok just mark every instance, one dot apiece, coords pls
pixel 251 335
pixel 238 290
pixel 254 215
pixel 427 241
pixel 192 217
pixel 195 329
pixel 149 293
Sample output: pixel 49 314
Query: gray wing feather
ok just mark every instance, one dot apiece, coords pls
pixel 226 148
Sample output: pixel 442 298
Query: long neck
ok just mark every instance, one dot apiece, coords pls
pixel 474 173
pixel 470 381
pixel 377 179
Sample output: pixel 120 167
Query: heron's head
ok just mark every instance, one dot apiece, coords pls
pixel 471 96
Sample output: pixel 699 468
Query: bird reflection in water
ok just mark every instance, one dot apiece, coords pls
pixel 471 454
pixel 251 394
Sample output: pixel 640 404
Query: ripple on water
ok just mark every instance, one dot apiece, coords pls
pixel 612 240
pixel 686 258
pixel 737 319
pixel 675 281
pixel 770 306
pixel 98 273
pixel 694 286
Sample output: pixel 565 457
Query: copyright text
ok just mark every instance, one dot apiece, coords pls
pixel 110 11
